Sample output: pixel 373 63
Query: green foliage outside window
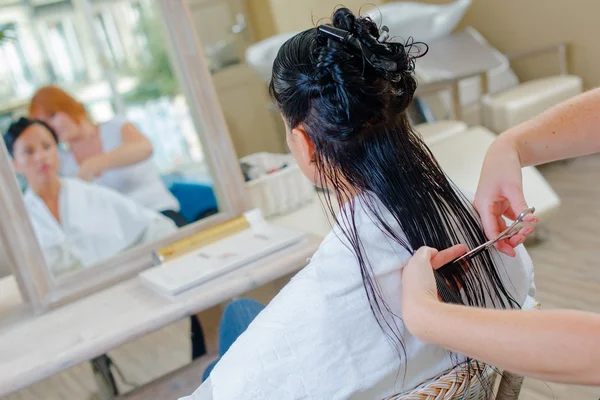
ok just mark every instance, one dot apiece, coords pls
pixel 156 77
pixel 5 33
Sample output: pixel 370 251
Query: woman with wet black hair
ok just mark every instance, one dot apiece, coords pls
pixel 335 331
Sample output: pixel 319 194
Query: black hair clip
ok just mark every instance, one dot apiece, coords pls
pixel 384 35
pixel 343 36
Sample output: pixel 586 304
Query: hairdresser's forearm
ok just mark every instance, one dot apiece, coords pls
pixel 569 129
pixel 125 155
pixel 559 346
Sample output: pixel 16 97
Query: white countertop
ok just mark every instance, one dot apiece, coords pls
pixel 33 348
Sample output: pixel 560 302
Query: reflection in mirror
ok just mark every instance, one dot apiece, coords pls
pixel 77 223
pixel 107 153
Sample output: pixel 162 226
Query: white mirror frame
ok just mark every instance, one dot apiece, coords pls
pixel 38 287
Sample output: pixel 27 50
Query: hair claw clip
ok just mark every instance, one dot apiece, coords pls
pixel 345 37
pixel 341 35
pixel 385 34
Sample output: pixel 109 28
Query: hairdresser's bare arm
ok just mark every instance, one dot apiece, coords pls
pixel 558 346
pixel 555 345
pixel 569 129
pixel 134 148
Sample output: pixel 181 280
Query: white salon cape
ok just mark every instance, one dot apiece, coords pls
pixel 96 223
pixel 318 338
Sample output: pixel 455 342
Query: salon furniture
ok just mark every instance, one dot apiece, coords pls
pixel 521 103
pixel 476 382
pixel 510 107
pixel 481 87
pixel 36 347
pixel 465 64
pixel 433 132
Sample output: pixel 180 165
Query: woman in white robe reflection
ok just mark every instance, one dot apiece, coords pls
pixel 77 223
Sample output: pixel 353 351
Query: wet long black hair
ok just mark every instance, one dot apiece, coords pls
pixel 349 88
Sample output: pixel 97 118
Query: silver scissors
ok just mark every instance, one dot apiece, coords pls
pixel 509 232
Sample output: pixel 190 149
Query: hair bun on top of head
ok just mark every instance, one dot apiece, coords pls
pixel 361 35
pixel 345 36
pixel 343 78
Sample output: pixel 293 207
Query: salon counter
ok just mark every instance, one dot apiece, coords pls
pixel 33 348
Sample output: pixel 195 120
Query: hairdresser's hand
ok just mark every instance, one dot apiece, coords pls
pixel 91 168
pixel 500 193
pixel 418 283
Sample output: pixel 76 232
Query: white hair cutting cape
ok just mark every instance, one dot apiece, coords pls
pixel 96 223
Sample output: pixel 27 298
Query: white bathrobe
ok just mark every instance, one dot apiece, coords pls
pixel 96 223
pixel 318 339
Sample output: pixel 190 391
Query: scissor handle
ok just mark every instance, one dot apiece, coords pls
pixel 509 232
pixel 515 227
pixel 524 213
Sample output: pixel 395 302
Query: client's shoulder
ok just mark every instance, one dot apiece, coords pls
pixel 368 221
pixel 358 230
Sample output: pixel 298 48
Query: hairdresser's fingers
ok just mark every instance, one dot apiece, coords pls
pixel 514 193
pixel 505 247
pixel 516 240
pixel 501 224
pixel 445 256
pixel 492 215
pixel 526 231
pixel 418 286
pixel 531 219
pixel 491 222
pixel 513 214
pixel 86 175
pixel 520 237
pixel 417 276
pixel 424 254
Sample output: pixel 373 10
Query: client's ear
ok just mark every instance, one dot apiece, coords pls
pixel 305 147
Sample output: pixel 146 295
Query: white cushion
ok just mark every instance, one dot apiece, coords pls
pixel 424 22
pixel 433 132
pixel 462 158
pixel 504 110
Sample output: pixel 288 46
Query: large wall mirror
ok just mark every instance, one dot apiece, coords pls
pixel 132 151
